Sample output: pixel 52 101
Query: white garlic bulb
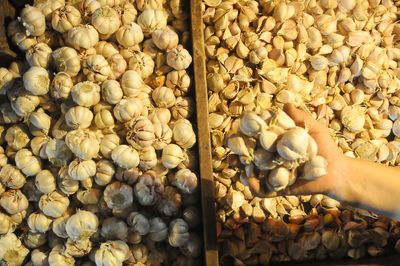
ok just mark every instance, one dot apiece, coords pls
pixel 65 18
pixel 131 83
pixel 67 60
pixel 83 143
pixel 78 117
pixel 106 20
pixel 148 158
pixel 125 156
pixel 142 63
pixel 11 177
pixel 39 123
pixel 45 182
pixel 183 133
pixel 39 55
pixel 279 178
pixel 13 201
pixel 6 80
pixel 158 229
pixel 33 20
pixel 141 133
pixel 118 196
pixel 108 143
pixel 36 80
pixel 139 223
pixel 172 156
pixel 28 163
pixel 96 68
pixel 86 93
pixel 129 35
pixel 38 223
pixel 81 225
pixel 104 119
pixel 83 36
pixel 165 39
pixel 179 58
pixel 145 191
pixel 163 97
pixel 185 180
pixel 57 152
pixel 111 91
pixel 152 19
pixel 111 253
pixel 178 233
pixel 128 109
pixel 78 249
pixel 81 170
pixel 59 256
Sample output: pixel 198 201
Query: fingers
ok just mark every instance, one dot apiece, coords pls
pixel 304 119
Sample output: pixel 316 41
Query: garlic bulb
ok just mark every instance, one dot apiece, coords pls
pixel 165 39
pixel 185 180
pixel 179 81
pixel 111 91
pixel 145 191
pixel 39 123
pixel 141 63
pixel 39 55
pixel 17 137
pixel 183 133
pixel 22 104
pixel 104 119
pixel 172 156
pixel 81 170
pixel 39 257
pixel 28 163
pixel 129 35
pixel 178 233
pixel 314 168
pixel 293 144
pixel 36 80
pixel 45 182
pixel 83 143
pixel 114 229
pixel 59 256
pixel 86 93
pixel 251 124
pixel 125 156
pixel 163 97
pixel 108 143
pixel 179 58
pixel 96 68
pixel 67 60
pixel 78 117
pixel 152 19
pixel 38 223
pixel 13 251
pixel 106 20
pixel 163 135
pixel 111 253
pixel 49 6
pixel 65 18
pixel 118 196
pixel 11 177
pixel 127 13
pixel 66 183
pixel 139 223
pixel 33 20
pixel 158 230
pixel 81 225
pixel 128 109
pixel 6 80
pixel 83 36
pixel 13 201
pixel 131 83
pixel 78 249
pixel 57 152
pixel 148 158
pixel 141 133
pixel 170 201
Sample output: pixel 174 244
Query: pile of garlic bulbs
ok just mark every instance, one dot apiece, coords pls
pixel 97 159
pixel 278 148
pixel 335 59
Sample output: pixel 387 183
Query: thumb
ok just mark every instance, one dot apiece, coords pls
pixel 302 118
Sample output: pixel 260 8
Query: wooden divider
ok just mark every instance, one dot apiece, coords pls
pixel 203 136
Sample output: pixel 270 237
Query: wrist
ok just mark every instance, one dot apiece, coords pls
pixel 342 188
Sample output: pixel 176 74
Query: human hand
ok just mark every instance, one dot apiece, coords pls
pixel 333 183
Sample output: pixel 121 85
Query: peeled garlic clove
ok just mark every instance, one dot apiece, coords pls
pixel 268 140
pixel 237 145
